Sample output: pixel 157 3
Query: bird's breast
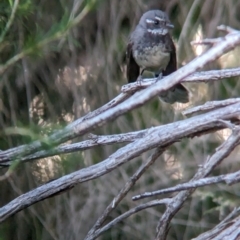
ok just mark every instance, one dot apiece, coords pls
pixel 151 57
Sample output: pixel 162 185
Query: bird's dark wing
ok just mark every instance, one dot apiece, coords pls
pixel 177 93
pixel 172 65
pixel 133 69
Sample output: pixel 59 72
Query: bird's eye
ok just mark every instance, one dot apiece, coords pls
pixel 156 22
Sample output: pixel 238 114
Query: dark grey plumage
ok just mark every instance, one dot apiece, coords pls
pixel 151 48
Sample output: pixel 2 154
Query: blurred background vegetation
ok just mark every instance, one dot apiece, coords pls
pixel 61 59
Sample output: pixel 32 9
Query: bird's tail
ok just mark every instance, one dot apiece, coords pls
pixel 177 93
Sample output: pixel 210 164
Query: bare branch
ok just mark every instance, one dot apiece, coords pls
pixel 156 137
pixel 226 148
pixel 123 193
pixel 228 124
pixel 6 175
pixel 226 229
pixel 230 178
pixel 208 41
pixel 80 146
pixel 226 29
pixel 211 105
pixel 131 212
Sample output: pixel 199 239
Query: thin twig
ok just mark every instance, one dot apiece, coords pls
pixel 230 178
pixel 80 146
pixel 208 106
pixel 176 203
pixel 207 41
pixel 226 29
pixel 206 76
pixel 123 193
pixel 132 211
pixel 221 227
pixel 21 152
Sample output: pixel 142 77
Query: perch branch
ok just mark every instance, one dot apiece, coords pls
pixel 80 127
pixel 207 76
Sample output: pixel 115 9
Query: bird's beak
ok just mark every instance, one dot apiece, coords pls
pixel 169 25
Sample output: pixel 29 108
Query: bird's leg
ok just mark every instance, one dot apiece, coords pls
pixel 139 79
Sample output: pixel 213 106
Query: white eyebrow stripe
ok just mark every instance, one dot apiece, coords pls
pixel 149 20
pixel 159 19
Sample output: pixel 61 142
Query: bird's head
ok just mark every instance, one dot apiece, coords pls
pixel 156 22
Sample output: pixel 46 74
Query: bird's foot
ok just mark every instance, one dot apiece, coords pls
pixel 158 77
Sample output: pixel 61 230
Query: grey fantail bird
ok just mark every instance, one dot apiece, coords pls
pixel 151 48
